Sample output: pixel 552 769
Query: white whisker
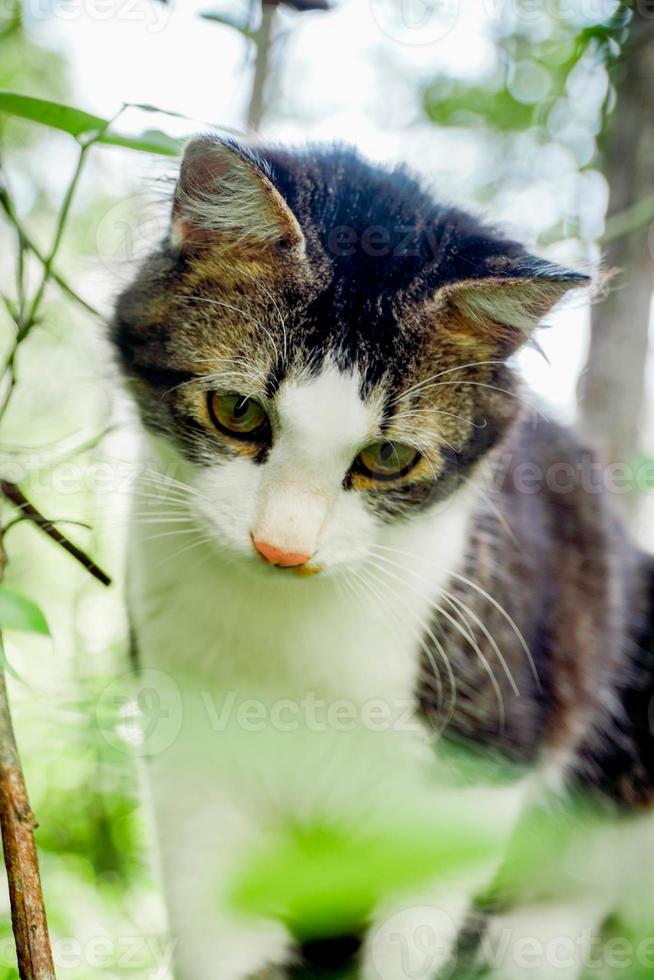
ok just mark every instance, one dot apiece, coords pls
pixel 427 630
pixel 422 644
pixel 460 629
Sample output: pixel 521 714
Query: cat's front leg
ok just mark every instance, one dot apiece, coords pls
pixel 232 951
pixel 416 937
pixel 416 940
pixel 204 838
pixel 548 940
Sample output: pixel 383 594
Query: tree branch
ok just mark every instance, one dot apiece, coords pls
pixel 17 825
pixel 30 513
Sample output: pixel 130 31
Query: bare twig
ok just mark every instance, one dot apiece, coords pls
pixel 17 824
pixel 30 513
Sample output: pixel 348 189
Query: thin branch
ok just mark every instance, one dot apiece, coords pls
pixel 29 316
pixel 10 369
pixel 21 519
pixel 30 512
pixel 30 244
pixel 17 824
pixel 25 326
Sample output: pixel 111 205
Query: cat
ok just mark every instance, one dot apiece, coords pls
pixel 319 353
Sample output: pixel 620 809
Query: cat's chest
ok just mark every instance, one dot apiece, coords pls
pixel 357 636
pixel 356 640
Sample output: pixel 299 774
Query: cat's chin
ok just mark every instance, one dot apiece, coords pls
pixel 293 572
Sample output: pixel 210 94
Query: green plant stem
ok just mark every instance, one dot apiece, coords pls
pixel 29 318
pixel 25 327
pixel 9 369
pixel 30 244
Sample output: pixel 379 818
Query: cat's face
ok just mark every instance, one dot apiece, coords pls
pixel 324 347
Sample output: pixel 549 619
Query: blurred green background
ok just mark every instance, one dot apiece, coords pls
pixel 541 116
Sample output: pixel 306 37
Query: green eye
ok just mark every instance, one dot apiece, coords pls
pixel 238 415
pixel 387 460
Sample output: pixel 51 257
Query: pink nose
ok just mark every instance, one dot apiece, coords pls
pixel 275 556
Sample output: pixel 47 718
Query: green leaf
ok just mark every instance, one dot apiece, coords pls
pixel 324 880
pixel 150 141
pixel 82 124
pixel 19 613
pixel 13 23
pixel 453 104
pixel 65 118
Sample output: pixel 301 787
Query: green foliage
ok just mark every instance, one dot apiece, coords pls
pixel 91 838
pixel 324 880
pixel 549 93
pixel 503 101
pixel 84 126
pixel 26 64
pixel 457 104
pixel 17 612
pixel 74 121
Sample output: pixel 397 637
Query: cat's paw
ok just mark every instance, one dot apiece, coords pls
pixel 544 941
pixel 232 952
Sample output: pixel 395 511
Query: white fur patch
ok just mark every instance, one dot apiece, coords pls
pixel 322 425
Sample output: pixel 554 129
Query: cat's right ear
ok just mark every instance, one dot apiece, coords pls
pixel 225 198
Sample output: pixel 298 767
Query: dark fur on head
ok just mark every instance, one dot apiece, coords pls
pixel 279 259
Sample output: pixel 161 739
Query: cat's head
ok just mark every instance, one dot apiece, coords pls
pixel 324 346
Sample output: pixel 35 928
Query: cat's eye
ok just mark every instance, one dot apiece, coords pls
pixel 387 460
pixel 238 416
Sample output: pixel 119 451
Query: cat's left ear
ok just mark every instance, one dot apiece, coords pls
pixel 225 197
pixel 503 309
